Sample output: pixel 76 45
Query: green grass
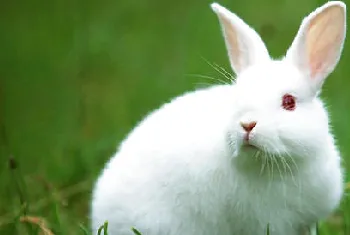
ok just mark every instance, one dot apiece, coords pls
pixel 76 76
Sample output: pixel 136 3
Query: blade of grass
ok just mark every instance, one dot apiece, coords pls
pixel 136 232
pixel 103 227
pixel 19 183
pixel 314 229
pixel 39 222
pixel 45 202
pixel 84 229
pixel 56 209
pixel 346 215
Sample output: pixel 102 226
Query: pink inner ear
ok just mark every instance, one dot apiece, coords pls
pixel 323 57
pixel 316 68
pixel 324 38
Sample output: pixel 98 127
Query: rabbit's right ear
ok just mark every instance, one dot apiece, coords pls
pixel 244 45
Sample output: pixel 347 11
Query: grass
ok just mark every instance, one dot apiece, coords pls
pixel 27 223
pixel 76 76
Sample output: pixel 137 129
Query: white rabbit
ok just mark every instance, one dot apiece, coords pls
pixel 234 159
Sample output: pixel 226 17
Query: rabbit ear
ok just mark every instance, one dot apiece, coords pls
pixel 244 45
pixel 318 44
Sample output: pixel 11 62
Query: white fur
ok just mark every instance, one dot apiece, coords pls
pixel 183 169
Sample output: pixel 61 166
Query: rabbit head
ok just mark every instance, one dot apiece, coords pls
pixel 277 107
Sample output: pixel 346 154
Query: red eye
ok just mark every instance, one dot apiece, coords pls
pixel 288 102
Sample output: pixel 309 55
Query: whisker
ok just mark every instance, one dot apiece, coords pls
pixel 229 75
pixel 283 161
pixel 208 77
pixel 287 164
pixel 293 161
pixel 268 161
pixel 267 166
pixel 278 167
pixel 263 164
pixel 202 84
pixel 284 188
pixel 290 170
pixel 297 184
pixel 216 69
pixel 256 155
pixel 271 158
pixel 276 160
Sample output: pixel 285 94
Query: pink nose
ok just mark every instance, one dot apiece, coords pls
pixel 248 127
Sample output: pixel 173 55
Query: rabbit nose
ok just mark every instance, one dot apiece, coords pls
pixel 248 127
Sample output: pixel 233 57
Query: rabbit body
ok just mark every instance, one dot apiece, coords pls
pixel 175 174
pixel 185 170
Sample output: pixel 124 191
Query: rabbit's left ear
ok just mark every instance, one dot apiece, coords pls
pixel 318 44
pixel 244 45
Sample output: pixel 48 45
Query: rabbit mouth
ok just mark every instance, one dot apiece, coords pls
pixel 247 145
pixel 250 146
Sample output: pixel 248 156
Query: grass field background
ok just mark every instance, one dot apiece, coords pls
pixel 76 76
